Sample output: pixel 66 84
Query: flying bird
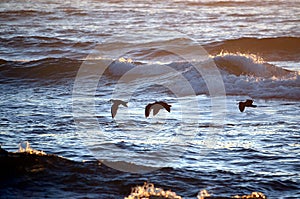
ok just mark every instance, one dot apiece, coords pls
pixel 115 106
pixel 247 103
pixel 156 106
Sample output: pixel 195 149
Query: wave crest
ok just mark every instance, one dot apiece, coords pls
pixel 49 68
pixel 248 64
pixel 279 48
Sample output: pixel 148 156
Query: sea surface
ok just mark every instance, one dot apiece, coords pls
pixel 61 62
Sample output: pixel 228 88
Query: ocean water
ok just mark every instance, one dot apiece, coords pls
pixel 62 61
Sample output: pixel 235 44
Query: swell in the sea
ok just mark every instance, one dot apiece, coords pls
pixel 30 48
pixel 43 69
pixel 275 49
pixel 42 47
pixel 243 70
pixel 37 175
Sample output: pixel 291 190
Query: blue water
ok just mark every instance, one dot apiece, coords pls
pixel 61 63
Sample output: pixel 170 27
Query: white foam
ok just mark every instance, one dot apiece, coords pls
pixel 24 147
pixel 242 75
pixel 248 64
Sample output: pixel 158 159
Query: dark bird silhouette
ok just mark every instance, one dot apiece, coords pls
pixel 247 103
pixel 156 106
pixel 115 106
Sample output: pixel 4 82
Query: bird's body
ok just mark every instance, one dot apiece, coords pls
pixel 115 106
pixel 156 106
pixel 247 103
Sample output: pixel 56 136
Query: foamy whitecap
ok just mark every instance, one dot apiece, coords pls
pixel 148 190
pixel 243 74
pixel 24 147
pixel 248 64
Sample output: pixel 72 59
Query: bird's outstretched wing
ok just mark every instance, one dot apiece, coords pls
pixel 241 106
pixel 156 108
pixel 115 106
pixel 124 103
pixel 114 109
pixel 147 110
pixel 165 105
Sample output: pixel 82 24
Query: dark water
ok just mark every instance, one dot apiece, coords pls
pixel 31 176
pixel 54 96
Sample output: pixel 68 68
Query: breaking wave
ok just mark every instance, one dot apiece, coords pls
pixel 248 75
pixel 243 74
